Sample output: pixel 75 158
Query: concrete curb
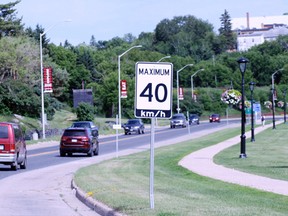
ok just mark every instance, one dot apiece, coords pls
pixel 96 206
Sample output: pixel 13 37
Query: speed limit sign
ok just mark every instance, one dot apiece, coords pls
pixel 153 97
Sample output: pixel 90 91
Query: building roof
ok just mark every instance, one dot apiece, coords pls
pixel 257 22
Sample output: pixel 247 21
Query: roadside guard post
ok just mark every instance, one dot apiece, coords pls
pixel 153 99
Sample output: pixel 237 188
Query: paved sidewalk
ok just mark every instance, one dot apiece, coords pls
pixel 201 162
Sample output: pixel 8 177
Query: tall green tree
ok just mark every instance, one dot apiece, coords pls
pixel 93 41
pixel 10 25
pixel 226 33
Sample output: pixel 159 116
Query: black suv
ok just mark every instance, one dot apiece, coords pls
pixel 194 119
pixel 134 126
pixel 79 140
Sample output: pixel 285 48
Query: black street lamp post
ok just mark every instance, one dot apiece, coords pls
pixel 242 65
pixel 285 106
pixel 251 85
pixel 273 108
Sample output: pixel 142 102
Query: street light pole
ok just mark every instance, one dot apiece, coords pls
pixel 42 82
pixel 273 102
pixel 285 105
pixel 242 65
pixel 273 108
pixel 165 57
pixel 178 109
pixel 119 80
pixel 192 86
pixel 251 85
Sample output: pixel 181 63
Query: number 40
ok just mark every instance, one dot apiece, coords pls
pixel 147 92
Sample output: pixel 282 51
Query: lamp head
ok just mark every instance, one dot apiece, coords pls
pixel 242 64
pixel 251 86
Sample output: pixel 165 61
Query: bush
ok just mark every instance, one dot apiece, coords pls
pixel 85 112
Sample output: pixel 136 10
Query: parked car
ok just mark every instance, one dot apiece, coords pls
pixel 178 120
pixel 214 118
pixel 79 140
pixel 194 119
pixel 13 150
pixel 134 126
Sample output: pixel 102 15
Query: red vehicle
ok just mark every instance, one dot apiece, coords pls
pixel 13 150
pixel 79 140
pixel 214 118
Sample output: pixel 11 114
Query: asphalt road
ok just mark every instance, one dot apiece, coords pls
pixel 49 156
pixel 44 187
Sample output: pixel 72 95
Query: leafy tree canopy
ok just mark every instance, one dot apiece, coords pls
pixel 9 24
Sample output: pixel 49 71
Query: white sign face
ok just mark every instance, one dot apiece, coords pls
pixel 117 126
pixel 153 97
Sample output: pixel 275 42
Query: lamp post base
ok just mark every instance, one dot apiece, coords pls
pixel 242 155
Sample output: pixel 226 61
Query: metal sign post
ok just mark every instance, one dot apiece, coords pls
pixel 152 139
pixel 153 99
pixel 117 126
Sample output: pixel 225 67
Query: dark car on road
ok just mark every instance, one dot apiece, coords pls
pixel 79 140
pixel 214 118
pixel 194 119
pixel 84 124
pixel 134 126
pixel 178 120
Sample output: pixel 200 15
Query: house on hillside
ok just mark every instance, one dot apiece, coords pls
pixel 256 30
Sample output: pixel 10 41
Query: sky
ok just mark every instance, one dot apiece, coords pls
pixel 106 19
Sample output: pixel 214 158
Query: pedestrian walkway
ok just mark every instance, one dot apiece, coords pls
pixel 201 162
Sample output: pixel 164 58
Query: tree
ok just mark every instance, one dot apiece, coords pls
pixel 36 35
pixel 19 59
pixel 9 24
pixel 184 36
pixel 129 38
pixel 20 98
pixel 93 41
pixel 146 39
pixel 226 33
pixel 62 56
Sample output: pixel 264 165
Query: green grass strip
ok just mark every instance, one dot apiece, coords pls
pixel 123 184
pixel 267 156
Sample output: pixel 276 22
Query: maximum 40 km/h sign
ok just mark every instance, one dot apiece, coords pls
pixel 153 97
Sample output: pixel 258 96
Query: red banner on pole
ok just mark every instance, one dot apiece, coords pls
pixel 47 79
pixel 123 89
pixel 181 93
